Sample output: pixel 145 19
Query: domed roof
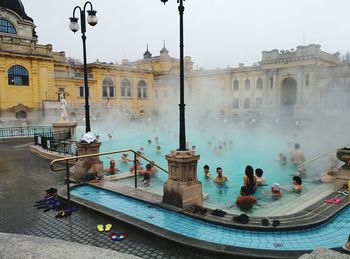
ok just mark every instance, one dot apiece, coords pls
pixel 147 54
pixel 16 6
pixel 164 50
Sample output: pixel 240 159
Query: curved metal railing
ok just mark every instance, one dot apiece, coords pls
pixel 68 159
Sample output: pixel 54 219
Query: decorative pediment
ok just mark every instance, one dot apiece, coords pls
pixel 19 108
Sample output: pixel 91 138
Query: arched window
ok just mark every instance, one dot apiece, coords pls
pixel 235 85
pixel 125 88
pixel 142 89
pixel 7 27
pixel 259 83
pixel 247 84
pixel 307 80
pixel 107 88
pixel 18 75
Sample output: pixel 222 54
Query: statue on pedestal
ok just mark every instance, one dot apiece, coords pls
pixel 64 116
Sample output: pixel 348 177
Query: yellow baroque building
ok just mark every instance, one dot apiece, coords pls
pixel 305 80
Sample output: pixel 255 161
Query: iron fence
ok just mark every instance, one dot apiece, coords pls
pixel 56 142
pixel 29 131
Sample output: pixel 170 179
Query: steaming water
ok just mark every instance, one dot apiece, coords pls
pixel 258 147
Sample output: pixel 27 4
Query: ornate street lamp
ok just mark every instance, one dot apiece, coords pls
pixel 182 135
pixel 74 26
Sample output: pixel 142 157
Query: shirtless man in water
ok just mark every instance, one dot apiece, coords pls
pixel 220 179
pixel 298 158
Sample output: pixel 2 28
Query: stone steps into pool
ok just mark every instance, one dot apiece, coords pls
pixel 313 215
pixel 295 202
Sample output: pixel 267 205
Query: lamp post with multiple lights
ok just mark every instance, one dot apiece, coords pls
pixel 74 26
pixel 182 134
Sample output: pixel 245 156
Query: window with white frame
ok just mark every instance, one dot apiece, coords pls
pixel 142 89
pixel 108 88
pixel 247 85
pixel 259 83
pixel 125 88
pixel 236 85
pixel 81 91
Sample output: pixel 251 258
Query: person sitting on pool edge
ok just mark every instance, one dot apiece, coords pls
pixel 297 184
pixel 249 179
pixel 220 179
pixel 112 169
pixel 260 181
pixel 207 174
pixel 245 201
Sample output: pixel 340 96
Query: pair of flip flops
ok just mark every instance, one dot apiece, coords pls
pixel 118 236
pixel 267 221
pixel 346 192
pixel 102 228
pixel 243 219
pixel 334 200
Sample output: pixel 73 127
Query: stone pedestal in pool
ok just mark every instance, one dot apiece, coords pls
pixel 182 187
pixel 87 168
pixel 61 126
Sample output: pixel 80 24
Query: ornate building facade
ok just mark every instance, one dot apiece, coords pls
pixel 305 80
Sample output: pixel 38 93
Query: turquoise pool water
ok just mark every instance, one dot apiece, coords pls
pixel 330 235
pixel 258 147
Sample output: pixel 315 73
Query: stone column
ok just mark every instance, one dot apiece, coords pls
pixel 87 168
pixel 65 126
pixel 182 187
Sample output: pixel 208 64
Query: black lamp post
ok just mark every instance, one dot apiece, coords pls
pixel 182 136
pixel 74 26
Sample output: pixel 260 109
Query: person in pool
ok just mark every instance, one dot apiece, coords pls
pixel 220 178
pixel 282 159
pixel 260 180
pixel 297 184
pixel 249 179
pixel 207 174
pixel 112 169
pixel 245 201
pixel 276 191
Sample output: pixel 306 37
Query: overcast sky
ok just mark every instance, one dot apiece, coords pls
pixel 218 33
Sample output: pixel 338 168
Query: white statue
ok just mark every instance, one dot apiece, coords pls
pixel 63 106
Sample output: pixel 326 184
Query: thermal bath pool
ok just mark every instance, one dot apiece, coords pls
pixel 258 147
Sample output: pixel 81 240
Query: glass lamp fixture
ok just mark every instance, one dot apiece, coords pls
pixel 92 18
pixel 74 25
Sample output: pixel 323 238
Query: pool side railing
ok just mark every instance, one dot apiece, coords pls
pixel 67 160
pixel 335 177
pixel 29 131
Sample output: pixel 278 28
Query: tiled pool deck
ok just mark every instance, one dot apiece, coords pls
pixel 269 242
pixel 24 176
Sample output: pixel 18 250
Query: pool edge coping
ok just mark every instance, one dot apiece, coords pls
pixel 193 242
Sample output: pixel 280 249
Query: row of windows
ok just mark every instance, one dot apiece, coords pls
pixel 247 104
pixel 108 89
pixel 7 27
pixel 259 84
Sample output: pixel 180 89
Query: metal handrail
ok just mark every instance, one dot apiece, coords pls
pixel 66 160
pixel 101 154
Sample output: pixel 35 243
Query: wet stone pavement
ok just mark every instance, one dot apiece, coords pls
pixel 23 178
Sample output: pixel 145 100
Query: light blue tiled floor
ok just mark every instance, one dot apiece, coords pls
pixel 329 235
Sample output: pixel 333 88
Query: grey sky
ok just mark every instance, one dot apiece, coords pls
pixel 217 32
